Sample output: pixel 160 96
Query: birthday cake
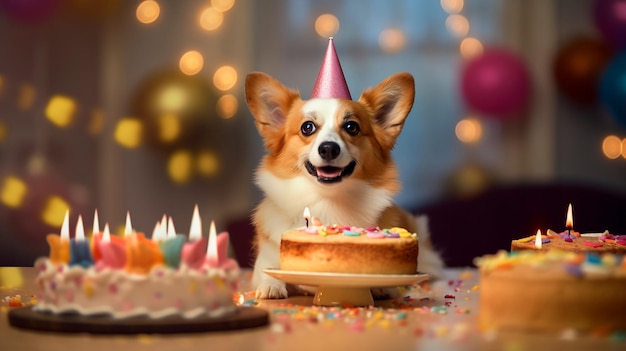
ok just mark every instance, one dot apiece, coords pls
pixel 575 242
pixel 129 276
pixel 552 291
pixel 346 249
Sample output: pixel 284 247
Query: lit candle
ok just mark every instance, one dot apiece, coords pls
pixel 60 246
pixel 569 221
pixel 96 223
pixel 217 251
pixel 112 250
pixel 307 216
pixel 193 252
pixel 538 241
pixel 141 254
pixel 80 252
pixel 212 258
pixel 171 246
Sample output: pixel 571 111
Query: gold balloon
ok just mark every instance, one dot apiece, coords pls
pixel 178 110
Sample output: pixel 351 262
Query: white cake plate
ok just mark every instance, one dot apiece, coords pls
pixel 345 288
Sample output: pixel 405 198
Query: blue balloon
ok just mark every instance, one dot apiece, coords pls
pixel 613 88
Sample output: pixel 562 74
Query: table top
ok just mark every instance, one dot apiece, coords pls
pixel 436 315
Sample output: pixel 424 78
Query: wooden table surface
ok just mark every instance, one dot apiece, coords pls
pixel 438 315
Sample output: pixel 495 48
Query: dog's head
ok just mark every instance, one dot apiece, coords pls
pixel 329 140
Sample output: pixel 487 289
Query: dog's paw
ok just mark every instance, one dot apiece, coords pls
pixel 271 289
pixel 385 293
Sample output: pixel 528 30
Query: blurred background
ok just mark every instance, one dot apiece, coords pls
pixel 138 106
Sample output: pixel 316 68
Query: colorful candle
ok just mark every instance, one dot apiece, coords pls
pixel 193 251
pixel 60 246
pixel 141 254
pixel 171 245
pixel 112 250
pixel 80 252
pixel 538 241
pixel 217 250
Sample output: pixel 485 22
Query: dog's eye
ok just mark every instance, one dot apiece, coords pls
pixel 307 128
pixel 352 128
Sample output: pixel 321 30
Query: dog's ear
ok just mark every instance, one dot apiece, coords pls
pixel 391 100
pixel 269 101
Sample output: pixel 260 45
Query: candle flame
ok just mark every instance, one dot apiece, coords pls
pixel 96 222
pixel 65 227
pixel 163 227
pixel 156 232
pixel 307 213
pixel 538 241
pixel 106 236
pixel 195 232
pixel 129 227
pixel 80 229
pixel 569 222
pixel 211 252
pixel 171 231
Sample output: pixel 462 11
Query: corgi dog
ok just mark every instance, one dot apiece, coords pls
pixel 332 155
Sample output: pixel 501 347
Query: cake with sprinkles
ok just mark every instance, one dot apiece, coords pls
pixel 552 291
pixel 575 242
pixel 349 249
pixel 133 276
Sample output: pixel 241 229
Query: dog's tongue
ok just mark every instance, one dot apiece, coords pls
pixel 328 172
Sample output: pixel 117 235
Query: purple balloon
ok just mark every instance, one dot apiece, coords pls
pixel 496 84
pixel 29 10
pixel 610 18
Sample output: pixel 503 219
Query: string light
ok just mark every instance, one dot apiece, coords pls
pixel 225 78
pixel 612 147
pixel 191 62
pixel 211 19
pixel 227 106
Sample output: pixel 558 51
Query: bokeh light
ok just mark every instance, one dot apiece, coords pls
pixel 4 131
pixel 211 19
pixel 227 106
pixel 180 166
pixel 391 40
pixel 469 130
pixel 128 132
pixel 458 25
pixel 624 148
pixel 452 6
pixel 222 5
pixel 169 127
pixel 471 47
pixel 96 122
pixel 172 98
pixel 326 25
pixel 225 78
pixel 61 110
pixel 191 62
pixel 13 192
pixel 207 163
pixel 53 211
pixel 148 11
pixel 612 147
pixel 26 97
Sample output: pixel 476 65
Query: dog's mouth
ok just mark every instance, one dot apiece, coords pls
pixel 330 174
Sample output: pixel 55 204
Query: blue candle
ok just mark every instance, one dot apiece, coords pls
pixel 171 249
pixel 80 251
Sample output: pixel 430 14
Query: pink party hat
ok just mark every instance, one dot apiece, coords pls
pixel 330 82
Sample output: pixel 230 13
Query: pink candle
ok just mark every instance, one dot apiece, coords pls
pixel 112 250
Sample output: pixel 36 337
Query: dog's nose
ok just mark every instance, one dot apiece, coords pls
pixel 329 150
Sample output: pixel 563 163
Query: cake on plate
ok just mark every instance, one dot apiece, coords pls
pixel 552 291
pixel 348 249
pixel 129 276
pixel 575 242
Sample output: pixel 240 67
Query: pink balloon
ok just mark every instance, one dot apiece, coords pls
pixel 496 84
pixel 610 18
pixel 30 11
